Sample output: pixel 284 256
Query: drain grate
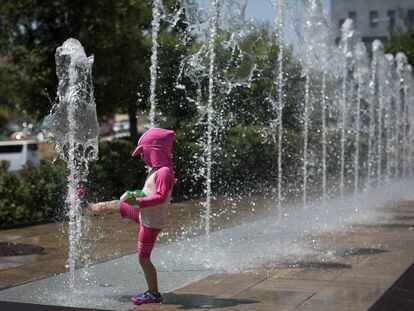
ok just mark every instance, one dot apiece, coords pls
pixel 364 251
pixel 13 249
pixel 312 265
pixel 321 265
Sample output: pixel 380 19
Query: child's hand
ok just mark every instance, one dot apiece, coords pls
pixel 132 200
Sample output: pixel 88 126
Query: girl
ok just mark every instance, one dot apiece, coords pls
pixel 155 146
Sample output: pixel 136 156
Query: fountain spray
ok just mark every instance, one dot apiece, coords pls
pixel 210 109
pixel 380 113
pixel 347 33
pixel 376 45
pixel 401 61
pixel 73 126
pixel 361 73
pixel 389 83
pixel 156 16
pixel 279 5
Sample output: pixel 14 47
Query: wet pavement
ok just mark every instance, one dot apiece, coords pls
pixel 344 270
pixel 363 276
pixel 112 237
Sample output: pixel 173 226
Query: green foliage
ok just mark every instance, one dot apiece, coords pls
pixel 115 172
pixel 35 196
pixel 403 43
pixel 46 187
pixel 11 209
pixel 245 162
pixel 116 32
pixel 172 102
pixel 4 120
pixel 185 165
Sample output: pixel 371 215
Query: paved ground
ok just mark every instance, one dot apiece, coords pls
pixel 111 237
pixel 345 270
pixel 371 260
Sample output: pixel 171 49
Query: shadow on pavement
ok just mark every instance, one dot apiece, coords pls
pixel 358 251
pixel 190 301
pixel 389 225
pixel 19 306
pixel 400 296
pixel 310 264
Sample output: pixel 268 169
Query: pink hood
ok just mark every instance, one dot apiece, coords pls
pixel 157 144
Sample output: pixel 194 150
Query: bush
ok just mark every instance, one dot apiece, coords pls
pixel 185 165
pixel 37 195
pixel 115 171
pixel 11 208
pixel 244 161
pixel 46 187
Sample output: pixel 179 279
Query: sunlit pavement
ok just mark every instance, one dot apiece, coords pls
pixel 350 270
pixel 368 261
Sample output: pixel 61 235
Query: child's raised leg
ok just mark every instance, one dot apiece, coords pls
pixel 104 207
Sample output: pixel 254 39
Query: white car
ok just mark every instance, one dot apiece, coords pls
pixel 19 152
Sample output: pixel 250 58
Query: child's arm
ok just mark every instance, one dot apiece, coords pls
pixel 163 185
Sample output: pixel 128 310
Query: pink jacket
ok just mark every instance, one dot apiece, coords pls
pixel 157 145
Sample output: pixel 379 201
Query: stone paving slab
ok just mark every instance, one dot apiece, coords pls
pixel 114 237
pixel 313 273
pixel 104 286
pixel 366 279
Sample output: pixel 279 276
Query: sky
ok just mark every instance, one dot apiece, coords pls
pixel 263 9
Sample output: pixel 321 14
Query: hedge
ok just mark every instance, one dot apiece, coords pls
pixel 35 195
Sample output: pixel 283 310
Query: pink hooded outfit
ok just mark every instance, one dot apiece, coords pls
pixel 157 146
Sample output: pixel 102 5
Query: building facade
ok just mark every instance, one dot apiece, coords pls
pixel 373 19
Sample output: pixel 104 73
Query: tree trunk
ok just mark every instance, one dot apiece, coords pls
pixel 132 112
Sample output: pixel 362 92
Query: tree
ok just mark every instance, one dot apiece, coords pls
pixel 116 32
pixel 3 119
pixel 403 43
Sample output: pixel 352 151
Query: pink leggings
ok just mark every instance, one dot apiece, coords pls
pixel 146 236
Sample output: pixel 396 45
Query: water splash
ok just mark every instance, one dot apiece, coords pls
pixel 407 76
pixel 73 126
pixel 156 18
pixel 348 35
pixel 401 62
pixel 376 46
pixel 388 87
pixel 409 95
pixel 316 45
pixel 278 104
pixel 210 109
pixel 361 73
pixel 378 49
pixel 221 31
pixel 345 136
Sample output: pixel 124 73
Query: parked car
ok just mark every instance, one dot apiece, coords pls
pixel 21 136
pixel 19 153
